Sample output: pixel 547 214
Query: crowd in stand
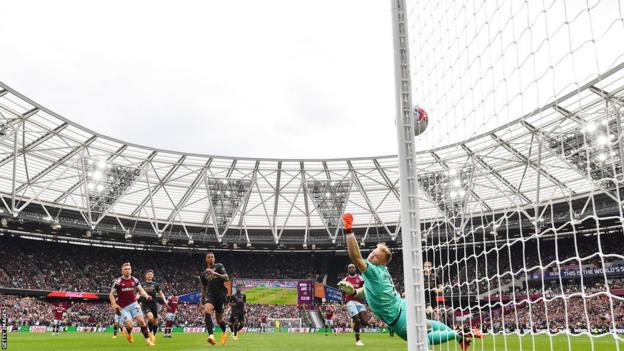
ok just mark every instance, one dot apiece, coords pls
pixel 27 264
pixel 49 266
pixel 597 314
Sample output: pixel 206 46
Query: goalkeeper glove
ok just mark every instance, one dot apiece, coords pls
pixel 347 220
pixel 346 287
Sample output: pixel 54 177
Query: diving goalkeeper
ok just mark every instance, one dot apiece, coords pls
pixel 382 297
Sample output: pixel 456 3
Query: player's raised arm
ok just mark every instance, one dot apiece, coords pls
pixel 352 244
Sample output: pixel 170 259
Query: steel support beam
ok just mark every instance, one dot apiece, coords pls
pixel 57 163
pixel 386 179
pixel 305 201
pixel 189 192
pixel 244 209
pixel 277 195
pixel 227 175
pixel 540 134
pixel 569 114
pixel 160 184
pixel 495 173
pixel 470 190
pixel 79 182
pixel 110 207
pixel 34 144
pixel 531 164
pixel 360 187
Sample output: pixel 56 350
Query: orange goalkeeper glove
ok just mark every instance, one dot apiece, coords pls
pixel 347 220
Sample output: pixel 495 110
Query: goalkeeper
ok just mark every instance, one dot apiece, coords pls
pixel 382 297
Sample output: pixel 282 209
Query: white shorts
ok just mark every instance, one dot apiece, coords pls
pixel 130 312
pixel 354 308
pixel 56 322
pixel 170 316
pixel 117 319
pixel 329 322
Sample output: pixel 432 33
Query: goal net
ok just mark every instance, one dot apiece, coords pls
pixel 285 322
pixel 518 178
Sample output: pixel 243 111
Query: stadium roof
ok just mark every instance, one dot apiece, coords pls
pixel 50 161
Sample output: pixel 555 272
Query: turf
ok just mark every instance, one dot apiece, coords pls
pixel 304 342
pixel 278 296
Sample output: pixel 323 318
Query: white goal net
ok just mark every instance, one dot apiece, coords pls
pixel 519 175
pixel 285 322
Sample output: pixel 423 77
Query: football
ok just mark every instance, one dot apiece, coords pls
pixel 421 120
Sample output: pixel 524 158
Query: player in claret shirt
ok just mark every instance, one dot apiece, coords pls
pixel 57 324
pixel 329 318
pixel 355 305
pixel 172 309
pixel 125 287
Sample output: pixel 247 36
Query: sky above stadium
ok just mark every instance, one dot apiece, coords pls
pixel 273 78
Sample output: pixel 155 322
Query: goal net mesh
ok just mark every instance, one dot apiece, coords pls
pixel 286 322
pixel 522 225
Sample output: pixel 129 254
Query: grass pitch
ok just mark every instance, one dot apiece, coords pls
pixel 277 296
pixel 292 342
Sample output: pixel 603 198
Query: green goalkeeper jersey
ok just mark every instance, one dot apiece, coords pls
pixel 380 293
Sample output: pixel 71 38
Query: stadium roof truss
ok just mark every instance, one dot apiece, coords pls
pixel 567 149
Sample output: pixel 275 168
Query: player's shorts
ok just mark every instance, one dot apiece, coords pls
pixel 236 317
pixel 264 325
pixel 355 307
pixel 170 316
pixel 150 306
pixel 329 322
pixel 217 301
pixel 399 325
pixel 130 312
pixel 117 319
pixel 56 322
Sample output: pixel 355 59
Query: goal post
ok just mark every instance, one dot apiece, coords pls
pixel 514 195
pixel 411 238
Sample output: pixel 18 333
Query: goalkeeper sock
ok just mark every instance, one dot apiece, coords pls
pixel 209 325
pixel 435 326
pixel 440 337
pixel 440 333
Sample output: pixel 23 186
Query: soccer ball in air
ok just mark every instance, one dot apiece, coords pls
pixel 421 120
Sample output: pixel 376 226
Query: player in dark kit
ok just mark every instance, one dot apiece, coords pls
pixel 237 314
pixel 214 296
pixel 355 305
pixel 123 298
pixel 150 307
pixel 172 309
